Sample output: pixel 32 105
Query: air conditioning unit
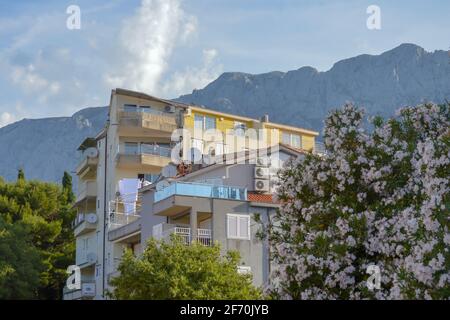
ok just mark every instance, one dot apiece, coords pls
pixel 88 289
pixel 262 173
pixel 262 185
pixel 244 269
pixel 169 109
pixel 91 257
pixel 263 162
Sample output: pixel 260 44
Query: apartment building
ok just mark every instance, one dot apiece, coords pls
pixel 121 192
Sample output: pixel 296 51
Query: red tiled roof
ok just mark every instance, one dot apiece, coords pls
pixel 259 197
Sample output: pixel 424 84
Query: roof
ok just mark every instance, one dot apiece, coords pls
pixel 291 128
pixel 87 143
pixel 221 114
pixel 242 157
pixel 260 197
pixel 141 95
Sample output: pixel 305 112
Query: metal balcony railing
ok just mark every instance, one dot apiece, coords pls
pixel 203 235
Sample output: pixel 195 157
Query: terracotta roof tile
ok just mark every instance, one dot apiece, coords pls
pixel 260 197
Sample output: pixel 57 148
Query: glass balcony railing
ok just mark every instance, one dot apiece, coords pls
pixel 144 148
pixel 201 190
pixel 155 150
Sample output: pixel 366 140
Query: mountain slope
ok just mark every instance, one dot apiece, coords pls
pixel 405 75
pixel 44 148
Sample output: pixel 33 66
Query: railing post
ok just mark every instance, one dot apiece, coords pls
pixel 193 223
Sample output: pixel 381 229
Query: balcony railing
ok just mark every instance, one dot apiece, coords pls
pixel 201 190
pixel 148 120
pixel 145 148
pixel 117 220
pixel 78 220
pixel 203 235
pixel 87 189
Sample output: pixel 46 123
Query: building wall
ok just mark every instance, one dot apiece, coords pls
pixel 251 251
pixel 237 175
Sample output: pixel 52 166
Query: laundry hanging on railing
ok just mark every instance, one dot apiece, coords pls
pixel 128 189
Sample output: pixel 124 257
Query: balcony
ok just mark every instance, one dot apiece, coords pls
pixel 84 223
pixel 141 123
pixel 87 190
pixel 87 291
pixel 164 231
pixel 201 190
pixel 88 165
pixel 146 156
pixel 118 220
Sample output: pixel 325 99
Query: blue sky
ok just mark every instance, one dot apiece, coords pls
pixel 168 48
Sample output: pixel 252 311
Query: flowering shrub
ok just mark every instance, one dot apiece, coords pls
pixel 378 197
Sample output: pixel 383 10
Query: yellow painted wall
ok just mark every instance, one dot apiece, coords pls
pixel 222 122
pixel 308 142
pixel 227 122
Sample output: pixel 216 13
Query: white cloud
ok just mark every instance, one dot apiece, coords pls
pixel 6 118
pixel 193 78
pixel 53 72
pixel 147 42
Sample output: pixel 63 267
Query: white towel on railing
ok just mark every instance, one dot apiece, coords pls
pixel 128 189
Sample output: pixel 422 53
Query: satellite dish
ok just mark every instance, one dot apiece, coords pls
pixel 162 185
pixel 91 218
pixel 169 171
pixel 91 257
pixel 91 152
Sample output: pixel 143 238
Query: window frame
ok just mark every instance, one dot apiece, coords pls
pixel 238 226
pixel 290 136
pixel 203 118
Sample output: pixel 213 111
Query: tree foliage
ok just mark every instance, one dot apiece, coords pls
pixel 378 197
pixel 37 241
pixel 173 270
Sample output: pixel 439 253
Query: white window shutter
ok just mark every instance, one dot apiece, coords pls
pixel 238 226
pixel 232 226
pixel 244 227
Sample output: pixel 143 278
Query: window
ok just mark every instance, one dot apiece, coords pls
pixel 239 128
pixel 286 138
pixel 131 148
pixel 129 107
pixel 150 177
pixel 291 139
pixel 204 122
pixel 210 123
pixel 295 139
pixel 145 109
pixel 238 226
pixel 198 122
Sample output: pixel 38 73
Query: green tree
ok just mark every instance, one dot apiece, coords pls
pixel 36 215
pixel 67 187
pixel 20 263
pixel 173 270
pixel 20 174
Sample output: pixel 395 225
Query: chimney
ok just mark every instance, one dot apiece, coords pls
pixel 265 118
